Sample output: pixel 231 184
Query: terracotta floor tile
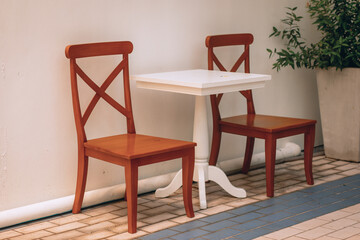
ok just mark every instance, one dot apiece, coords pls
pixel 351 172
pixel 123 212
pixel 332 178
pixel 335 215
pixel 99 218
pixel 127 235
pixel 317 158
pixel 96 235
pixel 346 167
pixel 340 224
pixel 260 197
pixel 121 220
pixel 263 238
pixel 294 238
pixel 36 227
pixel 327 238
pixel 324 167
pixel 235 177
pixel 355 237
pixel 97 227
pixel 315 233
pixel 123 204
pixel 258 177
pixel 159 226
pixel 320 162
pixel 33 235
pixel 181 211
pixel 355 217
pixel 122 228
pixel 256 184
pixel 66 227
pixel 310 224
pixel 345 232
pixel 152 204
pixel 69 218
pixel 352 209
pixel 66 235
pixel 9 234
pixel 296 167
pixel 159 218
pixel 216 209
pixel 99 210
pixel 240 202
pixel 240 182
pixel 255 172
pixel 284 233
pixel 221 200
pixel 284 177
pixel 159 210
pixel 328 172
pixel 184 219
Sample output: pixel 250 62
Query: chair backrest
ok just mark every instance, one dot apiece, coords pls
pixel 74 52
pixel 241 39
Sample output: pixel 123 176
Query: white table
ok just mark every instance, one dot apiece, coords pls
pixel 201 83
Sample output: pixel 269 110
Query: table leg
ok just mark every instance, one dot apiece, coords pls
pixel 201 137
pixel 218 176
pixel 175 184
pixel 203 172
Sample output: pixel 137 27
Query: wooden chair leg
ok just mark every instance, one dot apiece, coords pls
pixel 270 155
pixel 131 182
pixel 215 147
pixel 83 162
pixel 248 154
pixel 309 140
pixel 188 163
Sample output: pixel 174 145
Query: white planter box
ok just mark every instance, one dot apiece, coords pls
pixel 339 99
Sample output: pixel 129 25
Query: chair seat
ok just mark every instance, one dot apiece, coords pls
pixel 132 146
pixel 264 123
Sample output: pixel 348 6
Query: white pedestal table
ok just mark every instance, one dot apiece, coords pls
pixel 201 83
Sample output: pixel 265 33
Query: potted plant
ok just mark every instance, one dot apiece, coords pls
pixel 336 58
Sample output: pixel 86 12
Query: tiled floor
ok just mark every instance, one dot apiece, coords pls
pixel 328 210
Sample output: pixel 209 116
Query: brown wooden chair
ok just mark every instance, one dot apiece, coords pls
pixel 254 125
pixel 129 150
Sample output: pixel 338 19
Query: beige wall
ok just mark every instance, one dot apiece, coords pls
pixel 37 133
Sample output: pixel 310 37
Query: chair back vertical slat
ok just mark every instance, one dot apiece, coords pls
pixel 76 103
pixel 210 59
pixel 247 59
pixel 127 95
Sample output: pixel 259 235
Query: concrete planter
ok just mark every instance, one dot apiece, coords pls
pixel 339 99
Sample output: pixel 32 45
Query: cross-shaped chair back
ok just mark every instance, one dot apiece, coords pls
pixel 74 52
pixel 242 39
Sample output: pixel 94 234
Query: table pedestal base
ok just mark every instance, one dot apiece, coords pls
pixel 203 172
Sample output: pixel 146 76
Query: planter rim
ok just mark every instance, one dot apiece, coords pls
pixel 334 68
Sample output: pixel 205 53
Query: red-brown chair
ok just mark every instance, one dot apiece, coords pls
pixel 254 125
pixel 129 150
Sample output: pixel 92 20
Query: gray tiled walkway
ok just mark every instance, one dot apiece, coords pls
pixel 267 216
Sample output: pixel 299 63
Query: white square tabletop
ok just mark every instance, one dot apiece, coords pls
pixel 200 82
